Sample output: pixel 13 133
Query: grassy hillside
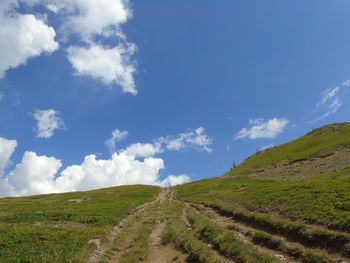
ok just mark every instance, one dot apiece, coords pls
pixel 58 227
pixel 313 213
pixel 237 218
pixel 323 200
pixel 310 151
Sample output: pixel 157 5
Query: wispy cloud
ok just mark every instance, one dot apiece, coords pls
pixel 268 146
pixel 197 139
pixel 331 101
pixel 261 129
pixel 117 136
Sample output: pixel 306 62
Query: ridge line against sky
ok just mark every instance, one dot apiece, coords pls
pixel 87 43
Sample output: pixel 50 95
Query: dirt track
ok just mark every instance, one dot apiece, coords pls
pixel 122 237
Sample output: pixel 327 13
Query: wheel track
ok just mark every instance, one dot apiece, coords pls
pixel 107 244
pixel 245 231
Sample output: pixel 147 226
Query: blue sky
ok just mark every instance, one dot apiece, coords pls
pixel 248 74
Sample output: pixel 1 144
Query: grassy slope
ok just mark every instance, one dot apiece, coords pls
pixel 320 142
pixel 57 227
pixel 323 199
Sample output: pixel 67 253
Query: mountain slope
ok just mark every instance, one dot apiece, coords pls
pixel 237 218
pixel 322 151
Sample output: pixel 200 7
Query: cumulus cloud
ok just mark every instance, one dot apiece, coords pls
pixel 136 164
pixel 92 22
pixel 117 136
pixel 7 147
pixel 197 139
pixel 91 19
pixel 121 169
pixel 110 65
pixel 47 122
pixel 261 129
pixel 34 175
pixel 39 174
pixel 331 101
pixel 173 180
pixel 143 149
pixel 22 36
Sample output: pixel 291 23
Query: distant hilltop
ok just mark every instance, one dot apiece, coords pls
pixel 321 151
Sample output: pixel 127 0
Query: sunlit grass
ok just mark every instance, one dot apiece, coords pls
pixel 57 227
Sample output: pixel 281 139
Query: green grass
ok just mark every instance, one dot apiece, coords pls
pixel 183 239
pixel 226 242
pixel 57 227
pixel 138 248
pixel 321 200
pixel 132 243
pixel 321 142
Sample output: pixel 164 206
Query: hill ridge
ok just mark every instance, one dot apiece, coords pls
pixel 323 150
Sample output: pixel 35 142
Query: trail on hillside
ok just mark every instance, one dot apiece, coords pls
pixel 106 245
pixel 139 238
pixel 159 253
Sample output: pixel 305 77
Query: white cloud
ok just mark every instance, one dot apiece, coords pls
pixel 331 101
pixel 143 150
pixel 121 169
pixel 34 175
pixel 91 17
pixel 197 139
pixel 47 122
pixel 110 65
pixel 136 164
pixel 328 95
pixel 268 146
pixel 173 180
pixel 38 174
pixel 53 8
pixel 261 129
pixel 22 36
pixel 7 147
pixel 117 136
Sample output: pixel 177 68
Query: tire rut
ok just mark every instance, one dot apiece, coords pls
pixel 159 253
pixel 216 254
pixel 107 244
pixel 288 251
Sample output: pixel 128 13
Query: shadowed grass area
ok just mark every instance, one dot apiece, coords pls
pixel 57 227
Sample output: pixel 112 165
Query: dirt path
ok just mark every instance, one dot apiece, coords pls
pixel 102 248
pixel 122 237
pixel 162 254
pixel 159 253
pixel 245 232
